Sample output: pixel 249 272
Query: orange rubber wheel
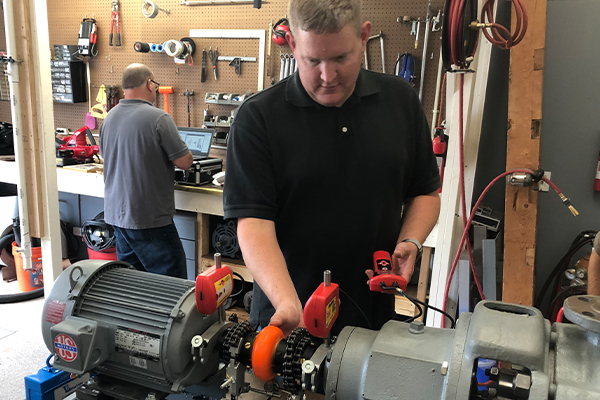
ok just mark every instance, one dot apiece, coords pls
pixel 263 351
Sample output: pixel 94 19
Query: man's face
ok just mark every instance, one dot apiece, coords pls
pixel 329 63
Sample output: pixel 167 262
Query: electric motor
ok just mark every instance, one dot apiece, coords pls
pixel 126 323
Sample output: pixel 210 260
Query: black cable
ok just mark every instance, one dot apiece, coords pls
pixel 358 307
pixel 575 246
pixel 408 321
pixel 243 284
pixel 97 223
pixel 413 300
pixel 582 289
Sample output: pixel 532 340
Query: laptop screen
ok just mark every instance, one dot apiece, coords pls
pixel 197 140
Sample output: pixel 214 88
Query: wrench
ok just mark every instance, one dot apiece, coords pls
pixel 281 70
pixel 286 71
pixel 418 29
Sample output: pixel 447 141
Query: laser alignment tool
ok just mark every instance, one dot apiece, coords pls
pixel 152 336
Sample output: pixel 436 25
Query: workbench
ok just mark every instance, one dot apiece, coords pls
pixel 204 201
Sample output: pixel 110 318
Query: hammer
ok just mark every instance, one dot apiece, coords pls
pixel 166 90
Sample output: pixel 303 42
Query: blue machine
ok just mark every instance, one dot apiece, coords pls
pixel 50 383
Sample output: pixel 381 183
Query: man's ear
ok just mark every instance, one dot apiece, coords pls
pixel 365 31
pixel 291 41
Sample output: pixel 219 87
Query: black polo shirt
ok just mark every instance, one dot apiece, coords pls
pixel 333 180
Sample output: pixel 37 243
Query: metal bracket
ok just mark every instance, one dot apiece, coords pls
pixel 9 60
pixel 237 64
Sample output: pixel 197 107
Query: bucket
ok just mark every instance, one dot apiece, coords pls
pixel 33 278
pixel 110 254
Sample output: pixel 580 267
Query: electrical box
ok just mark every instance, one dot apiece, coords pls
pixel 68 81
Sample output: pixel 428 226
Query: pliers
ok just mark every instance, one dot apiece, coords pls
pixel 214 57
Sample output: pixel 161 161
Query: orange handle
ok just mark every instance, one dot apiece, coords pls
pixel 263 351
pixel 167 103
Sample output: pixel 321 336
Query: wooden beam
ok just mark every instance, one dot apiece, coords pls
pixel 28 97
pixel 523 151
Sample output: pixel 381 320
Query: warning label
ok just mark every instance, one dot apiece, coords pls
pixel 137 343
pixel 223 288
pixel 55 311
pixel 330 311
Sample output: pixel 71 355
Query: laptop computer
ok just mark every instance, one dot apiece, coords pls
pixel 198 140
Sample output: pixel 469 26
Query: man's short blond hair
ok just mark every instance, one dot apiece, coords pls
pixel 324 16
pixel 136 75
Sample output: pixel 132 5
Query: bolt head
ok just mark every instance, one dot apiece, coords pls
pixel 522 383
pixel 416 327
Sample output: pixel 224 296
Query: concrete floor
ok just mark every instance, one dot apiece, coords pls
pixel 22 349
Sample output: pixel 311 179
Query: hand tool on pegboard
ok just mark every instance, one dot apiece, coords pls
pixel 99 109
pixel 166 90
pixel 112 96
pixel 380 37
pixel 269 49
pixel 203 73
pixel 188 94
pixel 425 43
pixel 114 20
pixel 237 64
pixel 214 56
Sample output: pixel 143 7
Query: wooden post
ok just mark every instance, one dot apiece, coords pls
pixel 28 97
pixel 523 149
pixel 31 99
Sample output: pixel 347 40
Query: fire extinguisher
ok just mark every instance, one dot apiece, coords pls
pixel 440 147
pixel 597 179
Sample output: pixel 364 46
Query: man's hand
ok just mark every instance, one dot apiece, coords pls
pixel 288 317
pixel 403 261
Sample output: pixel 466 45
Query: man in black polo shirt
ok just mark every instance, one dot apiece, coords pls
pixel 319 168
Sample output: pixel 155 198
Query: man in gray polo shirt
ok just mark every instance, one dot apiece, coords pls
pixel 141 145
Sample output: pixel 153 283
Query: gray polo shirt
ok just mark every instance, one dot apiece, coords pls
pixel 139 142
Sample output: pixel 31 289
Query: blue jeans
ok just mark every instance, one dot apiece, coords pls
pixel 156 250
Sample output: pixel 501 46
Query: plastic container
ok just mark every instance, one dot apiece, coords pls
pixel 110 254
pixel 31 279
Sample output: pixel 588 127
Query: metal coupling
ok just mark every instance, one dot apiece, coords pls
pixel 475 25
pixel 567 203
pixel 520 179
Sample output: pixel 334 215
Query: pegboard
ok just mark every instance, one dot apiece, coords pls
pixel 65 18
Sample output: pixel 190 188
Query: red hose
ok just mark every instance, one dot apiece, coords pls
pixel 466 230
pixel 500 36
pixel 561 315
